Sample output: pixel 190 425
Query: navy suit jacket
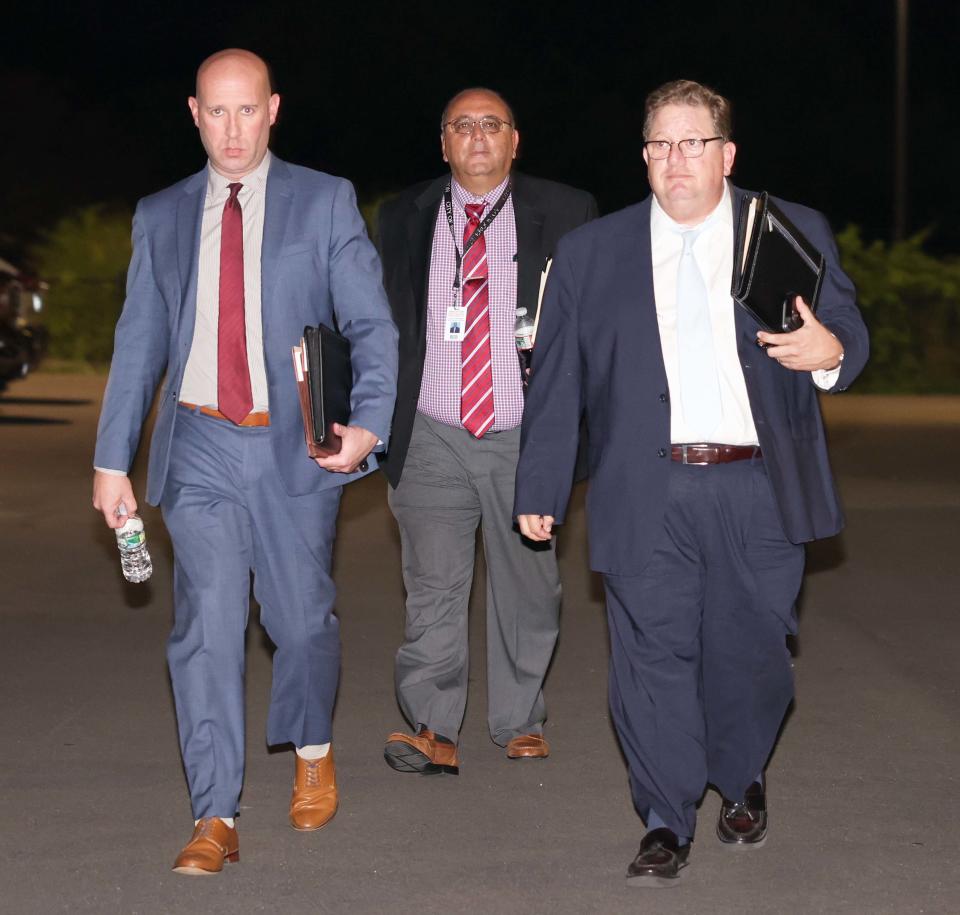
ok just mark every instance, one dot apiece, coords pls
pixel 598 351
pixel 316 263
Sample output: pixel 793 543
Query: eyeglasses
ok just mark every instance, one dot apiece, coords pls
pixel 488 124
pixel 691 148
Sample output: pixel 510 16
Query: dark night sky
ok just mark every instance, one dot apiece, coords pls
pixel 94 96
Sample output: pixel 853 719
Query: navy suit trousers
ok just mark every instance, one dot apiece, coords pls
pixel 700 677
pixel 228 515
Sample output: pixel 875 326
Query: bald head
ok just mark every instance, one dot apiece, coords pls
pixel 478 161
pixel 234 109
pixel 474 90
pixel 232 58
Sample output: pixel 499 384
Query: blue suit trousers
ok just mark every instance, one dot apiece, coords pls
pixel 228 515
pixel 700 676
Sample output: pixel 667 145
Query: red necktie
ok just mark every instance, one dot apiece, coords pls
pixel 234 397
pixel 476 387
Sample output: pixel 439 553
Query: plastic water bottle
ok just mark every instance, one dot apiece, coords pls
pixel 132 543
pixel 523 333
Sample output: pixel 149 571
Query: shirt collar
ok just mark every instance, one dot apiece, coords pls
pixel 256 180
pixel 660 221
pixel 463 196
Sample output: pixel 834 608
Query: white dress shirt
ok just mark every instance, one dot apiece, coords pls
pixel 713 253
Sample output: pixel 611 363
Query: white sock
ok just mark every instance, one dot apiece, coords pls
pixel 313 751
pixel 228 820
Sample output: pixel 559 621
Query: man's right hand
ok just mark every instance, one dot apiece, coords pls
pixel 536 527
pixel 109 490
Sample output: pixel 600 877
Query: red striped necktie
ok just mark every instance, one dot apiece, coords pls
pixel 476 377
pixel 234 396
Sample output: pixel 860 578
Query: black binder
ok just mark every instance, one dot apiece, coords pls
pixel 325 381
pixel 773 264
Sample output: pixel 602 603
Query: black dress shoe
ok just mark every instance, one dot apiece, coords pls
pixel 744 822
pixel 659 861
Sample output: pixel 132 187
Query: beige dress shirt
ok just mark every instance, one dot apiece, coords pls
pixel 200 377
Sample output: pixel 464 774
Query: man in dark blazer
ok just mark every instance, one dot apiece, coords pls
pixel 228 266
pixel 463 255
pixel 707 471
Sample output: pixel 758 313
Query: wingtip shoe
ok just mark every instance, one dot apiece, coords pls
pixel 315 798
pixel 212 843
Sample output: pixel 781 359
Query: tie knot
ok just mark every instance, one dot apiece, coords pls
pixel 474 210
pixel 690 239
pixel 234 189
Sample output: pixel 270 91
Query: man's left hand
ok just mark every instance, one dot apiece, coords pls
pixel 356 444
pixel 536 527
pixel 805 349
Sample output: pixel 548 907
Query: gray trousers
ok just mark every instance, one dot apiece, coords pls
pixel 451 483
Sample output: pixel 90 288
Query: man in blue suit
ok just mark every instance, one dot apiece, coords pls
pixel 228 266
pixel 708 470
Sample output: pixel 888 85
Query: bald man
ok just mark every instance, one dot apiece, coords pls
pixel 227 268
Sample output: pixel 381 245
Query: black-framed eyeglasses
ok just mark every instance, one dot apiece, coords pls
pixel 691 148
pixel 488 124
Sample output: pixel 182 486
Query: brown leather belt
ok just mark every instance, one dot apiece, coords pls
pixel 251 419
pixel 710 453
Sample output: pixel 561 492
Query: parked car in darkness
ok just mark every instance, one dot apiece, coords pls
pixel 23 340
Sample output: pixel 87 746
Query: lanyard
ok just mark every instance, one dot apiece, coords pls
pixel 477 232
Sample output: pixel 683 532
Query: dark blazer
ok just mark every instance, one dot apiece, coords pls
pixel 598 350
pixel 544 210
pixel 316 262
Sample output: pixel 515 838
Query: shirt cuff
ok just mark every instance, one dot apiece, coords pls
pixel 110 472
pixel 825 379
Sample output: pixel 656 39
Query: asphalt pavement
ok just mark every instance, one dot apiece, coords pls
pixel 863 788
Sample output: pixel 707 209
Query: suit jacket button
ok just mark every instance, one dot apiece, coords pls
pixel 661 452
pixel 663 398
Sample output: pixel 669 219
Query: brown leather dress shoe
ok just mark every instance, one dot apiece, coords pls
pixel 212 843
pixel 659 861
pixel 744 823
pixel 314 800
pixel 422 753
pixel 528 746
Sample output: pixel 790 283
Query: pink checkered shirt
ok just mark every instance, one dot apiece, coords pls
pixel 440 387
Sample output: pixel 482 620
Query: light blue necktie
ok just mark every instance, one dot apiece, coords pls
pixel 699 382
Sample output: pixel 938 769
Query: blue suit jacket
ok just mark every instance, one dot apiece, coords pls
pixel 316 263
pixel 598 350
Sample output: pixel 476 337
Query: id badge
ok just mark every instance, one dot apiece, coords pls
pixel 455 324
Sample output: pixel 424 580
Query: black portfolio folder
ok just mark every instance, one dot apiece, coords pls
pixel 324 381
pixel 773 263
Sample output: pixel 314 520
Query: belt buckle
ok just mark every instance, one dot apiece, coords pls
pixel 684 453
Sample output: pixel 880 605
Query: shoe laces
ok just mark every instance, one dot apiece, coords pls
pixel 312 774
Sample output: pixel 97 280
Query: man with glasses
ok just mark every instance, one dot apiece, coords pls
pixel 708 471
pixel 462 255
